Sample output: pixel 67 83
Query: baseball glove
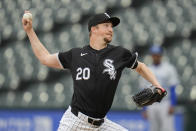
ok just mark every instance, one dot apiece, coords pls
pixel 148 96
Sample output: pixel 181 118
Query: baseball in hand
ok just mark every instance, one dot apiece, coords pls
pixel 27 16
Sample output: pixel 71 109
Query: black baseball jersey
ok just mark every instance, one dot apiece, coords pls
pixel 96 74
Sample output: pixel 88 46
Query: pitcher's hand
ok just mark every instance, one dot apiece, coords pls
pixel 27 22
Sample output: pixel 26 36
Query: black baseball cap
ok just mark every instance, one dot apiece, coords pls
pixel 101 18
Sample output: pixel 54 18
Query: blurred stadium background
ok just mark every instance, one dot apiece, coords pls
pixel 25 84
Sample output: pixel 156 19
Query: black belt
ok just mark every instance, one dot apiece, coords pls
pixel 90 120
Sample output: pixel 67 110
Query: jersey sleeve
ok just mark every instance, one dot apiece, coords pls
pixel 65 59
pixel 130 59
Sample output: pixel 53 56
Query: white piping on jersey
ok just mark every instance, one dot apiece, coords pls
pixel 135 60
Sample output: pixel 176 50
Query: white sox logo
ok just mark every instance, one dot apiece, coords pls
pixel 110 69
pixel 107 15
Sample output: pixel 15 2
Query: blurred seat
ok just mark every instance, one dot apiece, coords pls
pixel 47 13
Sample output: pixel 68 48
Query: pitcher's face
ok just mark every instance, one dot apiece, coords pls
pixel 105 30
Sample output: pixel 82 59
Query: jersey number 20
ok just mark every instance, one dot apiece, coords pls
pixel 83 73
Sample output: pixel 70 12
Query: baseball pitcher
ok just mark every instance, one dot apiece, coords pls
pixel 96 69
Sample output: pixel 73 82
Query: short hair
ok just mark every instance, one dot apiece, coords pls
pixel 90 33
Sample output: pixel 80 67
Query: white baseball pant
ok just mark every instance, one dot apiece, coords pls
pixel 159 118
pixel 70 122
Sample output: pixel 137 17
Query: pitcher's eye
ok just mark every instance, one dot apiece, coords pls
pixel 108 25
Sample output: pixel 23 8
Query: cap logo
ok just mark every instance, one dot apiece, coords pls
pixel 107 15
